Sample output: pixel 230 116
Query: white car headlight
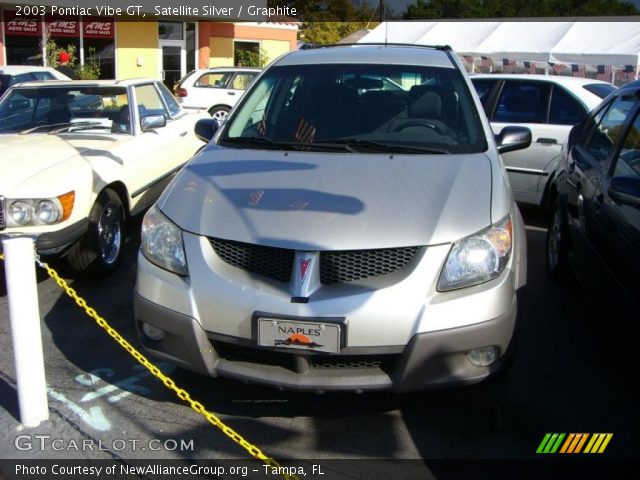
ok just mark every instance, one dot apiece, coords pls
pixel 478 258
pixel 23 212
pixel 162 242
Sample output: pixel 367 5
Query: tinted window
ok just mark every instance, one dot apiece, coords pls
pixel 217 79
pixel 242 80
pixel 172 104
pixel 483 87
pixel 149 102
pixel 608 129
pixel 600 89
pixel 5 81
pixel 564 110
pixel 628 162
pixel 329 104
pixel 522 102
pixel 47 108
pixel 43 76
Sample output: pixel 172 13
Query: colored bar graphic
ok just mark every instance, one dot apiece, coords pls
pixel 597 443
pixel 550 443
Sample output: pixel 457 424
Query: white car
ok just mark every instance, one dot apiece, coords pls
pixel 14 74
pixel 215 90
pixel 549 105
pixel 80 157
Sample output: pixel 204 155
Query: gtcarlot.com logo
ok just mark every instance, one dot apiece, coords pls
pixel 574 443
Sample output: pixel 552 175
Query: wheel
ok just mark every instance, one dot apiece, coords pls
pixel 416 123
pixel 99 251
pixel 219 113
pixel 557 243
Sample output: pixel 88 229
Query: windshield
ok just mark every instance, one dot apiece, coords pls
pixel 61 109
pixel 388 108
pixel 602 90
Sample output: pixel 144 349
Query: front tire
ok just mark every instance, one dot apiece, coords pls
pixel 219 113
pixel 99 251
pixel 557 253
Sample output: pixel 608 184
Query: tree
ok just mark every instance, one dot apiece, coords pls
pixel 516 8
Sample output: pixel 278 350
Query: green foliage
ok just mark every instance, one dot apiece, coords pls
pixel 89 71
pixel 516 8
pixel 250 58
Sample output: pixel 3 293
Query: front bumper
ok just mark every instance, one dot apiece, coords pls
pixel 429 360
pixel 52 243
pixel 400 334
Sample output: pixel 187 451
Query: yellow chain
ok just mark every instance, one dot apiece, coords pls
pixel 182 394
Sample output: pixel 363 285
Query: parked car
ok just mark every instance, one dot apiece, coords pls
pixel 215 90
pixel 549 105
pixel 375 249
pixel 595 226
pixel 14 74
pixel 80 157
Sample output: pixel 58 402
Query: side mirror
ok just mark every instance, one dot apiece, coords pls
pixel 151 122
pixel 20 104
pixel 206 128
pixel 626 190
pixel 511 139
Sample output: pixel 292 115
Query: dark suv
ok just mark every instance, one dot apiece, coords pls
pixel 595 226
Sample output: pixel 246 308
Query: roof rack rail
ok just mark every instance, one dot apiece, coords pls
pixel 311 46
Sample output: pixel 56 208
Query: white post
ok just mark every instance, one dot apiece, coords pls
pixel 24 315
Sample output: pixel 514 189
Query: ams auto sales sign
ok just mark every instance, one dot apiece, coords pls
pixel 92 27
pixel 29 26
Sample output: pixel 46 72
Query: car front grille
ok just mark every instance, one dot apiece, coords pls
pixel 3 222
pixel 270 262
pixel 237 353
pixel 347 266
pixel 335 266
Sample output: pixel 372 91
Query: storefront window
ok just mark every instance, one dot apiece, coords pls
pixel 170 31
pixel 87 41
pixel 23 37
pixel 191 46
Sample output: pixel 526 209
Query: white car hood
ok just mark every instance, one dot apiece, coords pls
pixel 333 201
pixel 24 156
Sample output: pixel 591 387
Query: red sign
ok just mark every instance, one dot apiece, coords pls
pixel 98 27
pixel 23 25
pixel 57 26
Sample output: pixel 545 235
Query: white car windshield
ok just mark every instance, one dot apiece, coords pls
pixel 63 109
pixel 358 107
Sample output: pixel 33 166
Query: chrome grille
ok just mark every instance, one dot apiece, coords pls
pixel 335 266
pixel 3 223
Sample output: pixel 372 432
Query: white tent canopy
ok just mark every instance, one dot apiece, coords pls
pixel 596 43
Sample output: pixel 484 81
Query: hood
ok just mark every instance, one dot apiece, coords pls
pixel 24 156
pixel 331 201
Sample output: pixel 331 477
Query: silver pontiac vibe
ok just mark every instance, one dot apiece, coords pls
pixel 349 227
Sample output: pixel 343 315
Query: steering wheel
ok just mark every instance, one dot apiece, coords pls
pixel 417 123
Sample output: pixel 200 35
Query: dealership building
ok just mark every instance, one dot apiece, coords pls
pixel 127 46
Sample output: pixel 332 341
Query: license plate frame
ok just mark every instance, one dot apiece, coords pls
pixel 321 335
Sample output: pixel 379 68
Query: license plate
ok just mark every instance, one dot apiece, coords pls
pixel 299 335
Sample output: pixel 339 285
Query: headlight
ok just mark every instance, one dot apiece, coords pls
pixel 162 242
pixel 23 212
pixel 478 258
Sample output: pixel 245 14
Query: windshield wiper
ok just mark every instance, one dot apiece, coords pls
pixel 356 144
pixel 280 145
pixel 58 127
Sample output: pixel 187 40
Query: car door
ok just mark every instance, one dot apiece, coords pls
pixel 155 154
pixel 602 230
pixel 239 83
pixel 618 219
pixel 549 112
